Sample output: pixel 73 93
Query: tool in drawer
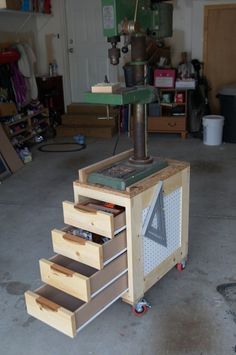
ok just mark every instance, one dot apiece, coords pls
pixel 79 232
pixel 93 207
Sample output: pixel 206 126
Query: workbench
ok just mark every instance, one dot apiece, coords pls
pixel 86 277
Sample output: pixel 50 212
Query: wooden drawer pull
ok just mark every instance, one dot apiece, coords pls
pixel 85 209
pixel 172 124
pixel 74 239
pixel 47 304
pixel 62 270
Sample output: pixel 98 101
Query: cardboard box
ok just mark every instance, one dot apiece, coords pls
pixel 7 109
pixel 185 84
pixel 10 4
pixel 164 78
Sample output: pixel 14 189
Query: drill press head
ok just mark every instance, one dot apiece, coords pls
pixel 122 17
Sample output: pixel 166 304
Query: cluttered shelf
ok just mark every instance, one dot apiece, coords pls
pixel 169 115
pixel 21 129
pixel 14 120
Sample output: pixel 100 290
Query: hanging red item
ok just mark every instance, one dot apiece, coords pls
pixel 47 6
pixel 9 56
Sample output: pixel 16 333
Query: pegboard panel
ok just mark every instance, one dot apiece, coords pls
pixel 154 253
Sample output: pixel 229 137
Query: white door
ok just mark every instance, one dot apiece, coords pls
pixel 87 47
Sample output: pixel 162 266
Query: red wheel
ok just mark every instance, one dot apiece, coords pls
pixel 141 313
pixel 180 266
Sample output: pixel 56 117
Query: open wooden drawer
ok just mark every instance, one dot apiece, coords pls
pixel 95 217
pixel 80 280
pixel 68 314
pixel 88 252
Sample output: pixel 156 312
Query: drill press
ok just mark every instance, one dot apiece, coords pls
pixel 136 20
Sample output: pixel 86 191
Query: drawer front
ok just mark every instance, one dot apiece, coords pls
pixel 166 123
pixel 50 313
pixel 79 280
pixel 87 252
pixel 68 314
pixel 95 221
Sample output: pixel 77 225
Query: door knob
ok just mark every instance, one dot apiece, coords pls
pixel 71 50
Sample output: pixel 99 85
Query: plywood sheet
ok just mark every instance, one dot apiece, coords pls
pixel 8 152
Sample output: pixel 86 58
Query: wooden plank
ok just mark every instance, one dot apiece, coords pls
pixel 103 300
pixel 121 197
pixel 134 250
pixel 172 183
pixel 8 152
pixel 114 246
pixel 75 284
pixel 102 193
pixel 57 317
pixel 83 173
pixel 78 249
pixel 80 108
pixel 185 210
pixel 109 273
pixel 88 120
pixel 173 168
pixel 95 131
pixel 169 185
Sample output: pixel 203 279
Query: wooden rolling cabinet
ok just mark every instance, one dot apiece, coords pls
pixel 51 92
pixel 173 116
pixel 27 127
pixel 113 258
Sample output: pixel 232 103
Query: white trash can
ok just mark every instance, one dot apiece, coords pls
pixel 212 129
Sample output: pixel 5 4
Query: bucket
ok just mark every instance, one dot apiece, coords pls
pixel 212 129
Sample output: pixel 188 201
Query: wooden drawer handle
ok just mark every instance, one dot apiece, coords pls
pixel 62 270
pixel 172 124
pixel 85 209
pixel 74 239
pixel 47 304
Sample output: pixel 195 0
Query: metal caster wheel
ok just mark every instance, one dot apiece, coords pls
pixel 181 266
pixel 141 308
pixel 140 313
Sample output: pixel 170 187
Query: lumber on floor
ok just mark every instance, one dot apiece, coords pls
pixel 88 120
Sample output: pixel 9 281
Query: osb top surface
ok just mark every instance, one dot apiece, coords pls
pixel 173 168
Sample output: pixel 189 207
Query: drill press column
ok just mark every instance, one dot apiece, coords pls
pixel 138 60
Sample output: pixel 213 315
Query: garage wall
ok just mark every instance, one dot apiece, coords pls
pixel 182 30
pixel 188 33
pixel 16 22
pixel 55 28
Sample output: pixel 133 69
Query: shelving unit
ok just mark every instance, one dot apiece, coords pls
pixel 20 12
pixel 173 118
pixel 27 127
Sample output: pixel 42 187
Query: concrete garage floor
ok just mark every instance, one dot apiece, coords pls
pixel 188 316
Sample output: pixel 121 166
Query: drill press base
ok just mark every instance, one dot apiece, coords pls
pixel 123 174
